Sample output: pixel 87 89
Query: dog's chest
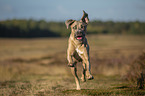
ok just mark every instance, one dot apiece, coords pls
pixel 79 51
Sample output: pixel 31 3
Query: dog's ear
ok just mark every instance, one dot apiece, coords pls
pixel 69 22
pixel 85 17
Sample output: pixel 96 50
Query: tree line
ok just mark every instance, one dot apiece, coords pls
pixel 32 28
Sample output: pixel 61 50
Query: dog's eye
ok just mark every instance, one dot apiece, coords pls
pixel 75 27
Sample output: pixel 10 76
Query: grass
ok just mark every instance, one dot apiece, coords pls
pixel 39 67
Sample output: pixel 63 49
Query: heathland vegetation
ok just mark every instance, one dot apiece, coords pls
pixel 32 28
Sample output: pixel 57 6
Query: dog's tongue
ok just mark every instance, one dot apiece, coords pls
pixel 79 37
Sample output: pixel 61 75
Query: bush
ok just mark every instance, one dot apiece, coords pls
pixel 137 70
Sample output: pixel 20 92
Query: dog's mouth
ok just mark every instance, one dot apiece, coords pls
pixel 79 37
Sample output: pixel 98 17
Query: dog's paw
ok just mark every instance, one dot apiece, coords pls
pixel 70 65
pixel 83 79
pixel 90 77
pixel 78 88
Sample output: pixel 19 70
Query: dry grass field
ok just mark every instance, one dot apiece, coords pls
pixel 39 67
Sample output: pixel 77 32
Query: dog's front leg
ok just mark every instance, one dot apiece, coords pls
pixel 71 63
pixel 70 52
pixel 74 72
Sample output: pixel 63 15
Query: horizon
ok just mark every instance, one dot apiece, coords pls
pixel 48 21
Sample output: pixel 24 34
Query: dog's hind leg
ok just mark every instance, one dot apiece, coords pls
pixel 83 78
pixel 74 72
pixel 86 61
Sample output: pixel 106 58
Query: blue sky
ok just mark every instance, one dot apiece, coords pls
pixel 61 10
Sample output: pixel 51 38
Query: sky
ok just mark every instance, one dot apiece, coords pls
pixel 61 10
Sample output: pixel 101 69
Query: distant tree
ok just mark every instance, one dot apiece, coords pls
pixel 32 28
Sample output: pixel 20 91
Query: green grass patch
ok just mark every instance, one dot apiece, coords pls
pixel 94 92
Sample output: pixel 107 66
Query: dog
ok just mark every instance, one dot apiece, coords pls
pixel 78 48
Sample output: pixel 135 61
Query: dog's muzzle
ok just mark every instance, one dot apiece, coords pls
pixel 79 35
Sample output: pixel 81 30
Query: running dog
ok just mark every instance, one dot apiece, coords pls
pixel 78 48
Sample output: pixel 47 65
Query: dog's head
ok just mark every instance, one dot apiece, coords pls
pixel 78 28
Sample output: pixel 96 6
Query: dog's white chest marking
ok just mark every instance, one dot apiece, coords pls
pixel 79 51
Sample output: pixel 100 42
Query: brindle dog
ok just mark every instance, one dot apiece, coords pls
pixel 78 48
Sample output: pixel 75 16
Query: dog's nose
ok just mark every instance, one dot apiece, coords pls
pixel 79 31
